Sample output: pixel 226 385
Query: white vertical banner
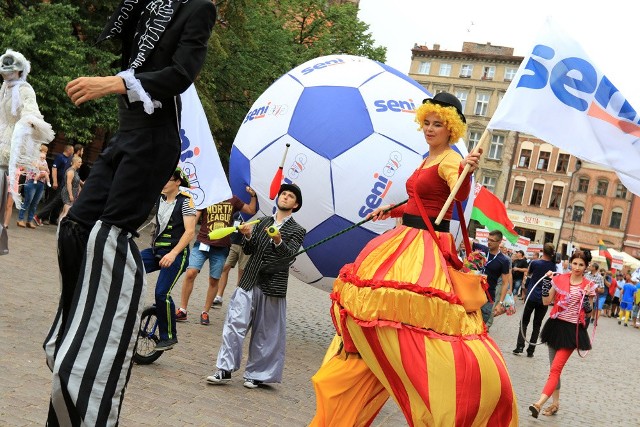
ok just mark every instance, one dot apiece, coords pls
pixel 199 157
pixel 560 96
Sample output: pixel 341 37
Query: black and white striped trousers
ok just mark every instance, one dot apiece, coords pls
pixel 91 342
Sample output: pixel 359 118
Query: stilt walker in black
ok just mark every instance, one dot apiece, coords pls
pixel 91 341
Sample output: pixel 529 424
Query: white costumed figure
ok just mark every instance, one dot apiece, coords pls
pixel 22 130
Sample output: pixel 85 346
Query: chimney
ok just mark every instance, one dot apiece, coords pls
pixel 436 46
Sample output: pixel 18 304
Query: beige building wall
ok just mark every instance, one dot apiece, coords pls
pixel 479 76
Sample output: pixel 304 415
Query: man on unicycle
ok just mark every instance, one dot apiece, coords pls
pixel 169 252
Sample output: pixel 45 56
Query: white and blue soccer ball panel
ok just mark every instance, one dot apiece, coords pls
pixel 383 168
pixel 336 70
pixel 343 146
pixel 394 116
pixel 269 117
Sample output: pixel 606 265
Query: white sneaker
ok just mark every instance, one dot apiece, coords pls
pixel 251 383
pixel 219 377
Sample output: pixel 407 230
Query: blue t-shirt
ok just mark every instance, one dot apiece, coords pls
pixel 61 163
pixel 496 266
pixel 537 269
pixel 628 291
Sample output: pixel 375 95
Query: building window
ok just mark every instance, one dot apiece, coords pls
pixel 488 72
pixel 466 70
pixel 482 104
pixel 474 137
pixel 603 186
pixel 518 192
pixel 578 213
pixel 543 160
pixel 424 67
pixel 616 219
pixel 525 158
pixel 583 185
pixel 556 197
pixel 495 150
pixel 596 215
pixel 536 194
pixel 509 73
pixel 621 191
pixel 563 163
pixel 489 183
pixel 445 70
pixel 462 96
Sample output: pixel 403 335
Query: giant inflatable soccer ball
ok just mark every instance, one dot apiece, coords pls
pixel 353 144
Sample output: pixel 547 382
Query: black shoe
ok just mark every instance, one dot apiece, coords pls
pixel 518 350
pixel 251 383
pixel 529 353
pixel 164 345
pixel 219 377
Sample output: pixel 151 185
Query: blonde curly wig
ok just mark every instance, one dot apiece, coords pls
pixel 449 116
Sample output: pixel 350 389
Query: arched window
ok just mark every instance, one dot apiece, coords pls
pixel 517 194
pixel 621 191
pixel 583 184
pixel 616 218
pixel 602 187
pixel 596 215
pixel 537 192
pixel 526 149
pixel 557 190
pixel 577 213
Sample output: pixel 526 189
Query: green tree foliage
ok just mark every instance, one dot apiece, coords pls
pixel 48 35
pixel 257 41
pixel 253 44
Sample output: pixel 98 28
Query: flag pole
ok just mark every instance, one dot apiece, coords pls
pixel 483 141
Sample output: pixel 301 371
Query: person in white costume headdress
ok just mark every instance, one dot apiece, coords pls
pixel 22 130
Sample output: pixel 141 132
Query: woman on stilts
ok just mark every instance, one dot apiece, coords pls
pixel 401 329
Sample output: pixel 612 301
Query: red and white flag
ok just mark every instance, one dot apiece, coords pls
pixel 560 96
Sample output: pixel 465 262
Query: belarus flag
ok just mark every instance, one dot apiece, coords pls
pixel 489 211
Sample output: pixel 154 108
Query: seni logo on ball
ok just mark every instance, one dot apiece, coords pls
pixel 586 91
pixel 266 110
pixel 400 106
pixel 322 65
pixel 381 185
pixel 297 166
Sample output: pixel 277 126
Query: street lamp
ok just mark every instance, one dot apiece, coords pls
pixel 576 215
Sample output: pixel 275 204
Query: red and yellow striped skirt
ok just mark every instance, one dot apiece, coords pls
pixel 404 333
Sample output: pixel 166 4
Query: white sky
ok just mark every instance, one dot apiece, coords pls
pixel 608 30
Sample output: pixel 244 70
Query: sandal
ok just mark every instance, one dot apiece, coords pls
pixel 535 410
pixel 551 409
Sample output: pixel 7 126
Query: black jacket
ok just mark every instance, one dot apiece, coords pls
pixel 263 251
pixel 174 60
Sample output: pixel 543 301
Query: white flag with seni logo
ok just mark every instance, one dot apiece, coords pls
pixel 199 157
pixel 560 96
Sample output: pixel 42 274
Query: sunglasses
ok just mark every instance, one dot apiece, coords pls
pixel 494 241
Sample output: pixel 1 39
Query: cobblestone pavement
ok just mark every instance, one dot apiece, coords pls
pixel 598 390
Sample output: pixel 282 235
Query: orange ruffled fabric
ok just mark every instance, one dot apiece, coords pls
pixel 395 307
pixel 395 280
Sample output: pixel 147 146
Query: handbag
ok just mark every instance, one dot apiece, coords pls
pixel 469 287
